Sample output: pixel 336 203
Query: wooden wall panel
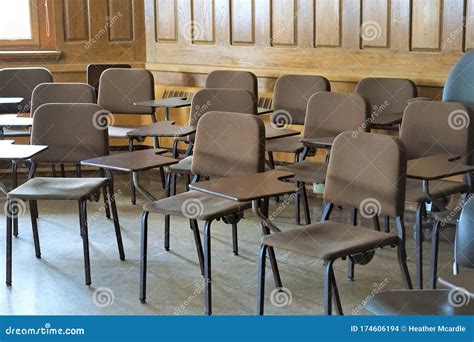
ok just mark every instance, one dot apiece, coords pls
pixel 400 25
pixel 242 22
pixel 426 24
pixel 166 20
pixel 120 20
pixel 351 24
pixel 284 16
pixel 203 21
pixel 469 37
pixel 328 23
pixel 76 20
pixel 453 25
pixel 375 24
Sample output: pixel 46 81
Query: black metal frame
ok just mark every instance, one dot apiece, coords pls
pixel 330 286
pixel 13 221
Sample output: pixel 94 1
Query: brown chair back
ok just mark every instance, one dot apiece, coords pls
pixel 73 132
pixel 229 79
pixel 292 93
pixel 329 114
pixel 20 82
pixel 223 100
pixel 367 172
pixel 61 93
pixel 229 145
pixel 94 71
pixel 434 127
pixel 120 88
pixel 387 95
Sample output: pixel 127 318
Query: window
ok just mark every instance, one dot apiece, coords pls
pixel 18 22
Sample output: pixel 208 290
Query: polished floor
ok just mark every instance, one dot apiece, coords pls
pixel 54 285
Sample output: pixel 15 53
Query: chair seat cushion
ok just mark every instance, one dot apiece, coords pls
pixel 58 188
pixel 120 131
pixel 329 240
pixel 418 302
pixel 308 171
pixel 196 205
pixel 184 166
pixel 287 144
pixel 437 189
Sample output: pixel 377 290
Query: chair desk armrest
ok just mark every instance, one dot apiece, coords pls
pixel 248 188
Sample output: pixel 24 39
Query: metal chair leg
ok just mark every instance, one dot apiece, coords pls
pixel 163 178
pixel 133 191
pixel 271 161
pixel 419 245
pixel 297 204
pixel 118 233
pixel 207 269
pixel 167 217
pixel 402 254
pixel 197 240
pixel 63 171
pixel 34 225
pixel 9 237
pixel 15 183
pixel 335 294
pixel 307 216
pixel 143 256
pixel 235 242
pixel 387 224
pixel 261 280
pixel 104 193
pixel 434 254
pixel 327 300
pixel 85 241
pixel 350 260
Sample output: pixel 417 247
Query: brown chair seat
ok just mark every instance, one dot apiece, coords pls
pixel 196 205
pixel 308 171
pixel 417 302
pixel 58 188
pixel 184 166
pixel 438 189
pixel 329 240
pixel 288 144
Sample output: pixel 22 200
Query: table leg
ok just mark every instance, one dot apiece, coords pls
pixel 144 192
pixel 167 114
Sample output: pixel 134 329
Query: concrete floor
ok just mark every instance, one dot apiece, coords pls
pixel 54 285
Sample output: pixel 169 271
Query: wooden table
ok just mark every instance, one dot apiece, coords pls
pixel 323 142
pixel 133 162
pixel 272 132
pixel 11 100
pixel 429 169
